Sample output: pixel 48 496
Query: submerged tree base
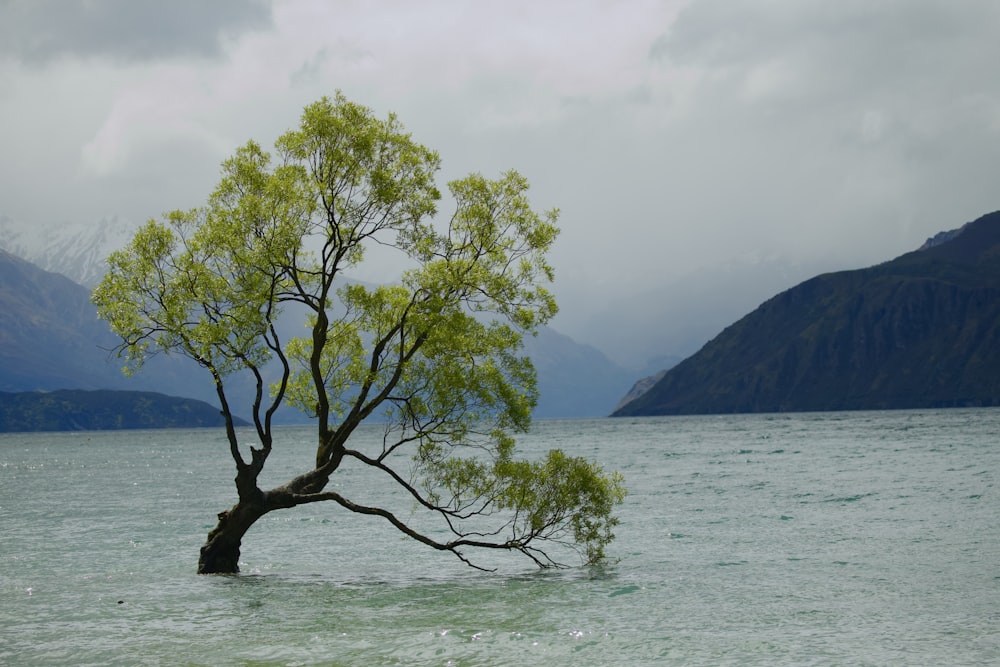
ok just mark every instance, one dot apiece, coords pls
pixel 221 551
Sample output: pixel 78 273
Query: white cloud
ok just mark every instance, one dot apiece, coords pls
pixel 163 106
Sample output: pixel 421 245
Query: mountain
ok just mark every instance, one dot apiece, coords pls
pixel 76 251
pixel 78 410
pixel 574 380
pixel 922 330
pixel 50 338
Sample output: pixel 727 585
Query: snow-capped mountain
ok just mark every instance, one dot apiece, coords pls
pixel 76 250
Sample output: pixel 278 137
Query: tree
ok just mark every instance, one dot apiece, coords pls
pixel 433 358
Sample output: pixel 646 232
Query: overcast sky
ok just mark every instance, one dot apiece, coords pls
pixel 690 145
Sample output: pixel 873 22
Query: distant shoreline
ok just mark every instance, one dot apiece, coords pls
pixel 103 410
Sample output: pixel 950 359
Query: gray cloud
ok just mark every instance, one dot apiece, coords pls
pixel 902 90
pixel 39 31
pixel 704 153
pixel 847 51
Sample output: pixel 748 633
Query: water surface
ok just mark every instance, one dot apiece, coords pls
pixel 868 538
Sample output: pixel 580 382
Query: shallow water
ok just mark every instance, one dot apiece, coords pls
pixel 868 538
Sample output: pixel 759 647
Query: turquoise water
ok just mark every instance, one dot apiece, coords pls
pixel 815 539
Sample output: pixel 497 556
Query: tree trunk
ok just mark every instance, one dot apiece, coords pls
pixel 221 552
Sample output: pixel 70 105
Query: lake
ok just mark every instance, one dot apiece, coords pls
pixel 863 538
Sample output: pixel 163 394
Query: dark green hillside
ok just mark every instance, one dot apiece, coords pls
pixel 922 330
pixel 78 410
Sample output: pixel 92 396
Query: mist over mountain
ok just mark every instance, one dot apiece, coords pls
pixel 644 331
pixel 574 380
pixel 922 330
pixel 658 324
pixel 77 251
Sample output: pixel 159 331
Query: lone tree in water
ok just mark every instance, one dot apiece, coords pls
pixel 435 358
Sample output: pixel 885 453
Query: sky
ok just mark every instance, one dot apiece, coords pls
pixel 704 154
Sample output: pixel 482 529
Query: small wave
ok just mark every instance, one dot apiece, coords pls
pixel 624 590
pixel 848 499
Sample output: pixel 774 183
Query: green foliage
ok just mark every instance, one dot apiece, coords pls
pixel 560 498
pixel 437 356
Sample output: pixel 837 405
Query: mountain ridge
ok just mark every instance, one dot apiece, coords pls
pixel 921 330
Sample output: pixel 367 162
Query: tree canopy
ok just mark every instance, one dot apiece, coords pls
pixel 435 357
